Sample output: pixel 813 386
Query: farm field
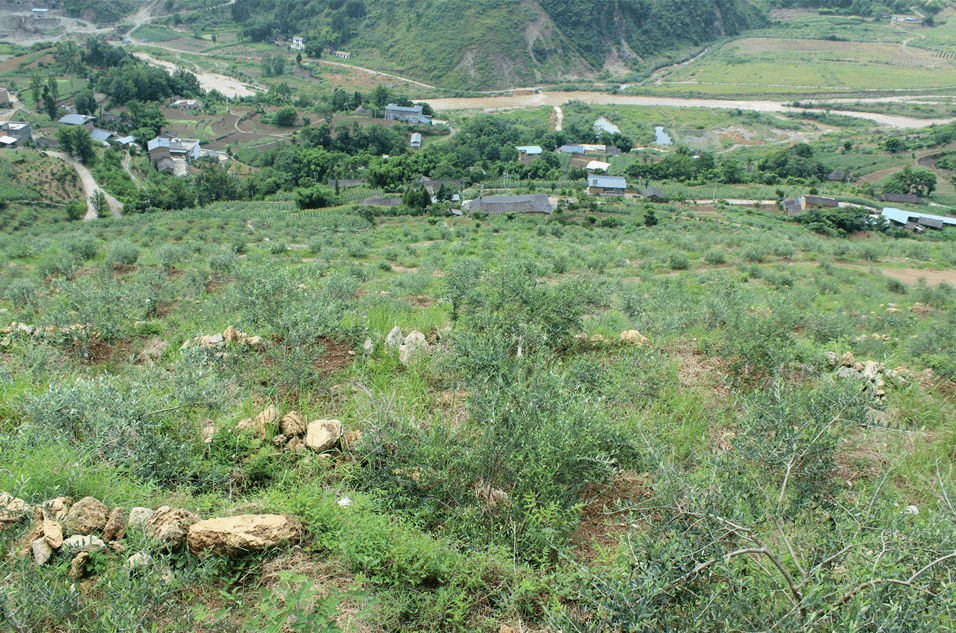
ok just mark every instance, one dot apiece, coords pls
pixel 520 453
pixel 756 65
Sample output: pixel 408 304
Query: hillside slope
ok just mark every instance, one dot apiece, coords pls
pixel 500 43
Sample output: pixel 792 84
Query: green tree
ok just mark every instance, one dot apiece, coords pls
pixel 75 141
pixel 54 87
pixel 380 96
pixel 85 102
pixel 285 117
pixel 49 104
pixel 36 85
pixel 921 182
pixel 315 197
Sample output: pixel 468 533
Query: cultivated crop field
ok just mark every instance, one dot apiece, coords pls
pixel 752 65
pixel 693 418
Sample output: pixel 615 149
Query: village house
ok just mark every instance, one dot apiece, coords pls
pixel 792 206
pixel 818 202
pixel 103 136
pixel 527 203
pixel 900 198
pixel 597 165
pixel 185 148
pixel 298 44
pixel 652 193
pixel 20 130
pixel 606 185
pixel 527 153
pixel 342 54
pixel 78 119
pixel 914 221
pixel 186 105
pixel 407 114
pixel 416 141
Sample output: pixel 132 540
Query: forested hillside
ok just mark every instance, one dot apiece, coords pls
pixel 489 43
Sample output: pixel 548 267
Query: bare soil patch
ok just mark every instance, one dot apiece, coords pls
pixel 911 276
pixel 602 523
pixel 336 355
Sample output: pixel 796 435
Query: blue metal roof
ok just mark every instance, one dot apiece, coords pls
pixel 607 182
pixel 76 119
pixel 902 217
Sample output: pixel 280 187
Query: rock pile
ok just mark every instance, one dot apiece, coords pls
pixel 49 333
pixel 61 528
pixel 873 374
pixel 628 337
pixel 409 346
pixel 291 432
pixel 220 340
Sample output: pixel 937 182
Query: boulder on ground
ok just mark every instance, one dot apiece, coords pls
pixel 634 337
pixel 169 525
pixel 52 532
pixel 87 515
pixel 249 532
pixel 349 439
pixel 232 335
pixel 207 433
pixel 212 340
pixel 83 543
pixel 138 517
pixel 115 525
pixel 323 435
pixel 847 360
pixel 139 559
pixel 394 338
pixel 12 510
pixel 267 418
pixel 292 424
pixel 57 509
pixel 78 566
pixel 41 551
pixel 411 347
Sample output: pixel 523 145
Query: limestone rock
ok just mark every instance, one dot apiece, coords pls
pixel 279 440
pixel 295 445
pixel 394 338
pixel 267 418
pixel 78 566
pixel 12 510
pixel 847 360
pixel 232 335
pixel 848 372
pixel 245 424
pixel 871 369
pixel 41 551
pixel 52 532
pixel 87 515
pixel 83 543
pixel 138 517
pixel 323 435
pixel 833 359
pixel 211 340
pixel 292 424
pixel 244 533
pixel 349 439
pixel 207 433
pixel 115 525
pixel 412 345
pixel 169 526
pixel 56 509
pixel 137 560
pixel 634 337
pixel 254 342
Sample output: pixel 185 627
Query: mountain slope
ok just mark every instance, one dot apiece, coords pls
pixel 500 43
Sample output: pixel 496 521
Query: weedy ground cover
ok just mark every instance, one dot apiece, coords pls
pixel 734 470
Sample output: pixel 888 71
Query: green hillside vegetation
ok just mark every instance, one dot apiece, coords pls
pixel 497 42
pixel 529 468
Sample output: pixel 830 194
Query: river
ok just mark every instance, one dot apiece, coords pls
pixel 227 86
pixel 559 98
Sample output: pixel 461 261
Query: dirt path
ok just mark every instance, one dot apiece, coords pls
pixel 136 181
pixel 375 73
pixel 558 98
pixel 559 118
pixel 89 187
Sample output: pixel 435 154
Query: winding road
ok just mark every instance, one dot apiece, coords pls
pixel 90 188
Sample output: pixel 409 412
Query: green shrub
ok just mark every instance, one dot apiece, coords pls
pixel 122 252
